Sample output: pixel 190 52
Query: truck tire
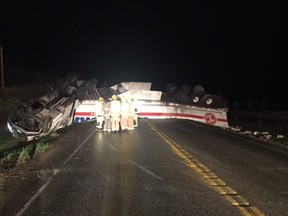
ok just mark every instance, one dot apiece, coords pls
pixel 199 90
pixel 186 88
pixel 171 89
pixel 194 99
pixel 207 100
pixel 182 97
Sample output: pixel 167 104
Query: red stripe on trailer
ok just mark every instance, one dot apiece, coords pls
pixel 171 114
pixel 85 114
pixel 222 120
pixel 147 114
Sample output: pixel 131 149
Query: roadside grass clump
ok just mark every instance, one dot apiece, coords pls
pixel 32 150
pixel 41 146
pixel 8 157
pixel 25 154
pixel 54 134
pixel 21 155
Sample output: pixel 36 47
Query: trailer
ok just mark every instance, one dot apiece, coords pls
pixel 72 101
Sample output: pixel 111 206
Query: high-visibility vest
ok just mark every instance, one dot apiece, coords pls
pixel 131 108
pixel 125 108
pixel 115 108
pixel 106 110
pixel 99 108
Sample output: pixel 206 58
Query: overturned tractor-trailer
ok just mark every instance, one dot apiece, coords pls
pixel 72 100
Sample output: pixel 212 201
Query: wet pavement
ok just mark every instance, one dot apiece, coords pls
pixel 163 167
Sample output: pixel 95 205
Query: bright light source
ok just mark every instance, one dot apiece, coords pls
pixel 9 127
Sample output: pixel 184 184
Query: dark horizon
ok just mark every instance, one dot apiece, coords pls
pixel 235 48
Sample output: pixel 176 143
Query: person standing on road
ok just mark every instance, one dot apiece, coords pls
pixel 107 117
pixel 124 114
pixel 135 107
pixel 131 115
pixel 99 113
pixel 115 109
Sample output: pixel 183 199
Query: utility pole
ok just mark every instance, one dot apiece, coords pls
pixel 2 66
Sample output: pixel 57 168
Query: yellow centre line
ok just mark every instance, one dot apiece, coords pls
pixel 209 178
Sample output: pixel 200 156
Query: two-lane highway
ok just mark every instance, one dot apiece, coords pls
pixel 163 167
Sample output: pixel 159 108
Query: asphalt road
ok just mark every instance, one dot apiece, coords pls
pixel 164 167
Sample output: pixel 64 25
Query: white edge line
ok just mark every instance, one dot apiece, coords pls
pixel 45 185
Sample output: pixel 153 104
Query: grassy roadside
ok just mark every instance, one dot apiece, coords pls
pixel 10 99
pixel 273 123
pixel 22 154
pixel 12 149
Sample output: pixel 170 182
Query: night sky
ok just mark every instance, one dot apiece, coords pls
pixel 237 48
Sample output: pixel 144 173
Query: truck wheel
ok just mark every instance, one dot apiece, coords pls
pixel 207 100
pixel 182 97
pixel 194 99
pixel 186 88
pixel 199 90
pixel 171 88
